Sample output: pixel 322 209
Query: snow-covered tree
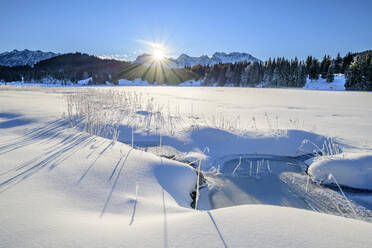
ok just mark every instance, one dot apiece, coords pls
pixel 330 76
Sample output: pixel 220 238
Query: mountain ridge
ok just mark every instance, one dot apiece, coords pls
pixel 28 57
pixel 24 57
pixel 186 60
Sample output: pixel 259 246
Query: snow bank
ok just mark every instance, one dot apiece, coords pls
pixel 352 170
pixel 190 83
pixel 44 82
pixel 321 84
pixel 85 81
pixel 135 82
pixel 214 146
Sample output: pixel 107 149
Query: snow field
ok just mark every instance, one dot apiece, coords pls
pixel 337 85
pixel 71 185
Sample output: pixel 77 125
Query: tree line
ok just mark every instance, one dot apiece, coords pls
pixel 277 72
pixel 281 72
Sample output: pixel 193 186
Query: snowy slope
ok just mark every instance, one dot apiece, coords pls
pixel 322 84
pixel 60 187
pixel 25 57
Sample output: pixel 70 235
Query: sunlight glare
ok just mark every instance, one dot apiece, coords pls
pixel 158 54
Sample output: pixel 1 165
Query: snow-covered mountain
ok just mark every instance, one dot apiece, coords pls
pixel 25 57
pixel 233 57
pixel 145 59
pixel 186 60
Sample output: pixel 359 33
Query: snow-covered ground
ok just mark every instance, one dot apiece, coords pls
pixel 61 187
pixel 135 82
pixel 322 84
pixel 337 85
pixel 191 83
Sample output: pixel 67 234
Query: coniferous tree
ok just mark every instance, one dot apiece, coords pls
pixel 337 64
pixel 309 61
pixel 368 77
pixel 324 66
pixel 302 74
pixel 244 76
pixel 346 61
pixel 353 75
pixel 268 71
pixel 314 70
pixel 221 80
pixel 359 74
pixel 330 76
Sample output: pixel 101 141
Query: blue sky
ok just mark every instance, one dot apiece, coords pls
pixel 262 28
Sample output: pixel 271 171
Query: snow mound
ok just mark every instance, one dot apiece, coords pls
pixel 135 82
pixel 85 81
pixel 352 170
pixel 177 180
pixel 321 84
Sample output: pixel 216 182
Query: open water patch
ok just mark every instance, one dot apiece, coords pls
pixel 279 181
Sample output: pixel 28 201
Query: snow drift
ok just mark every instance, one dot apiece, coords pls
pixel 353 170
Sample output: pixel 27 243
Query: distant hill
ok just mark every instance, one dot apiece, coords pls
pixel 25 57
pixel 73 67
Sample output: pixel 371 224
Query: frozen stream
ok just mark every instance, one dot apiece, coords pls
pixel 281 181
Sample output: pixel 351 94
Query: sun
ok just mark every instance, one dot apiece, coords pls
pixel 158 54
